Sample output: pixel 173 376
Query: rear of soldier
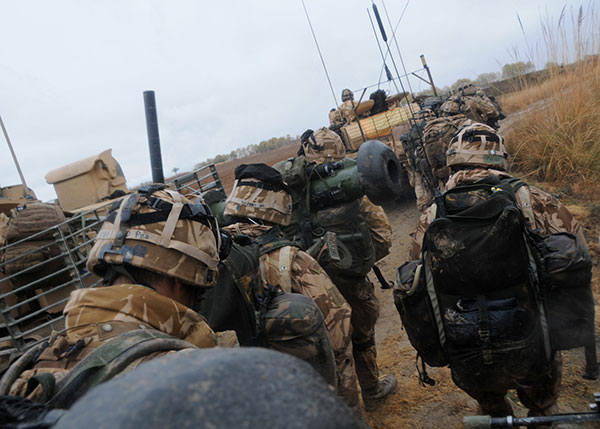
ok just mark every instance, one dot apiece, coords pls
pixel 259 204
pixel 477 155
pixel 356 223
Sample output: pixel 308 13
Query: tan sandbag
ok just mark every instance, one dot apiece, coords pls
pixel 32 218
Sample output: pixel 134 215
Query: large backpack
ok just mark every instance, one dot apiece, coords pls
pixel 312 224
pixel 491 296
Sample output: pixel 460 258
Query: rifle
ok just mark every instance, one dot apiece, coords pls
pixel 483 422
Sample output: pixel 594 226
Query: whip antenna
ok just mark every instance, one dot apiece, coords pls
pixel 320 55
pixel 396 43
pixel 14 156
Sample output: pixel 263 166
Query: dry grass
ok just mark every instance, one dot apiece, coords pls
pixel 557 137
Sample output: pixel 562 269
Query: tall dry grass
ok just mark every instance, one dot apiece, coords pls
pixel 557 134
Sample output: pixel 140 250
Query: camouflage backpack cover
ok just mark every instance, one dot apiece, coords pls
pixel 261 314
pixel 259 193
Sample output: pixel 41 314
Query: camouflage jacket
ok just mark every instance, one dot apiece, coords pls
pixel 379 225
pixel 96 315
pixel 548 214
pixel 294 270
pixel 347 110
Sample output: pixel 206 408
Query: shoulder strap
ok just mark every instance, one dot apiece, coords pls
pixel 109 360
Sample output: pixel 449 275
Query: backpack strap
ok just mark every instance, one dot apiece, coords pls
pixel 435 305
pixel 109 360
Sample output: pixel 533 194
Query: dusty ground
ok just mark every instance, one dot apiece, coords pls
pixel 442 405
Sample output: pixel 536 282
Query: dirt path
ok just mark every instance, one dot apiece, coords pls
pixel 442 405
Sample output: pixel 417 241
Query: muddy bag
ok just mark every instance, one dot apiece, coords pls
pixel 33 218
pixel 414 307
pixel 566 285
pixel 478 276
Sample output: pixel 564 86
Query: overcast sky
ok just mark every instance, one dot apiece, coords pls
pixel 226 73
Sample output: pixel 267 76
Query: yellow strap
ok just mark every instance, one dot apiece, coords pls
pixel 172 220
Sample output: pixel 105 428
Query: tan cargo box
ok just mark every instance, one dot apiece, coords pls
pixel 88 181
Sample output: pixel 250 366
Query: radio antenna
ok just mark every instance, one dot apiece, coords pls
pixel 320 55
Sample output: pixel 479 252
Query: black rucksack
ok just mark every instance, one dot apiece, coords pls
pixel 492 295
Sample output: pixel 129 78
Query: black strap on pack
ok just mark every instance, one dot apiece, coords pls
pixel 308 139
pixel 384 283
pixel 266 186
pixel 484 330
pixel 272 240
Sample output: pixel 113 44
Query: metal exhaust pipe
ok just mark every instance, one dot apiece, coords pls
pixel 153 137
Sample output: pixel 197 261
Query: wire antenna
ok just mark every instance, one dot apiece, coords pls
pixel 396 41
pixel 320 55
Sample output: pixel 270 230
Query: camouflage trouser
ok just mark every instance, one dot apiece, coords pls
pixel 538 393
pixel 422 192
pixel 360 294
pixel 337 319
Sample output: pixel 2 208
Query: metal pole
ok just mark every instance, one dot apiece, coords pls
pixel 14 156
pixel 153 137
pixel 426 67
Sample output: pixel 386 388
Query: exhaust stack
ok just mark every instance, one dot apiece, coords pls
pixel 153 137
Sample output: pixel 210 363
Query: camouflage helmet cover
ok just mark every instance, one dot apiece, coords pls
pixel 477 145
pixel 322 145
pixel 259 193
pixel 163 232
pixel 467 89
pixel 347 95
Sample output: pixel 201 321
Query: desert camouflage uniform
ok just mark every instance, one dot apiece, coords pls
pixel 346 110
pixel 538 392
pixel 96 315
pixel 550 215
pixel 296 271
pixel 360 294
pixel 335 117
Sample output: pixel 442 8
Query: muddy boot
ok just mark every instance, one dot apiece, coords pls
pixel 376 396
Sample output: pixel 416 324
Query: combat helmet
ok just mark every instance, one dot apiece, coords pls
pixel 322 145
pixel 160 231
pixel 467 89
pixel 259 193
pixel 477 145
pixel 347 95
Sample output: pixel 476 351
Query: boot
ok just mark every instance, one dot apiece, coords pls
pixel 375 397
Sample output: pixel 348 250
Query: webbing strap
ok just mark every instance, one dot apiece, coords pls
pixel 435 305
pixel 185 248
pixel 285 268
pixel 171 222
pixel 484 330
pixel 524 200
pixel 534 279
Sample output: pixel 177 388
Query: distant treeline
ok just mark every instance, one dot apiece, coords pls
pixel 251 149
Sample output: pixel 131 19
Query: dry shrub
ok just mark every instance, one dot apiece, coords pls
pixel 557 136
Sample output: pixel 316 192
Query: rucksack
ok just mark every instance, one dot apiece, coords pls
pixel 311 222
pixel 498 298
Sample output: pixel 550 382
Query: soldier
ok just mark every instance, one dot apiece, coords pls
pixel 156 252
pixel 474 104
pixel 348 105
pixel 477 153
pixel 348 220
pixel 467 164
pixel 260 204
